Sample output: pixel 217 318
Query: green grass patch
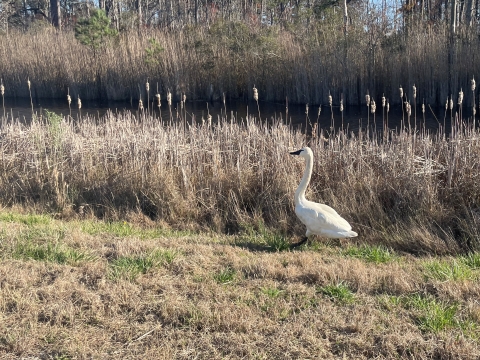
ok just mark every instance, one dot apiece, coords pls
pixel 472 261
pixel 443 270
pixel 125 229
pixel 50 252
pixel 28 219
pixel 433 315
pixel 225 276
pixel 271 292
pixel 339 293
pixel 260 236
pixel 372 254
pixel 129 267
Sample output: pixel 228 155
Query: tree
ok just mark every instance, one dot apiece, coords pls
pixel 95 30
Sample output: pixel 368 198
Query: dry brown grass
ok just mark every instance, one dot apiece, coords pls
pixel 271 305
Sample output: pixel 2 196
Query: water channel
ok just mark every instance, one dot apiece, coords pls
pixel 352 117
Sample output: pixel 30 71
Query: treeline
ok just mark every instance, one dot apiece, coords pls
pixel 304 51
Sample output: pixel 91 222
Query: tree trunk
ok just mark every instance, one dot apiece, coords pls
pixel 55 12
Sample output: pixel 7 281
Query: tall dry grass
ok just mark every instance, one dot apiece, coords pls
pixel 413 191
pixel 302 64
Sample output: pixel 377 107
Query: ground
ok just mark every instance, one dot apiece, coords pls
pixel 88 289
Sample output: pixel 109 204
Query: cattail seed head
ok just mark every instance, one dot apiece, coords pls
pixel 446 104
pixel 79 103
pixel 147 86
pixel 388 106
pixel 140 104
pixel 255 93
pixel 2 89
pixel 408 108
pixel 474 111
pixel 169 98
pixel 423 108
pixel 159 103
pixel 330 100
pixel 184 98
pixel 373 106
pixel 28 83
pixel 341 105
pixel 319 110
pixel 367 99
pixel 414 92
pixel 306 109
pixel 451 103
pixel 383 101
pixel 472 82
pixel 460 97
pixel 69 99
pixel 401 91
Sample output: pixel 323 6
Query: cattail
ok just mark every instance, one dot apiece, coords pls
pixel 388 106
pixel 79 103
pixel 330 100
pixel 306 109
pixel 423 108
pixel 401 92
pixel 383 101
pixel 341 105
pixel 474 111
pixel 157 96
pixel 451 103
pixel 373 106
pixel 255 93
pixel 472 82
pixel 184 98
pixel 169 98
pixel 147 86
pixel 140 104
pixel 460 97
pixel 414 92
pixel 2 89
pixel 367 99
pixel 319 110
pixel 408 108
pixel 69 100
pixel 28 83
pixel 446 104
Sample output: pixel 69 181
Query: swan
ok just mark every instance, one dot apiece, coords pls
pixel 320 219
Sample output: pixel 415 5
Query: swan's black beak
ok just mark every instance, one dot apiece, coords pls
pixel 296 152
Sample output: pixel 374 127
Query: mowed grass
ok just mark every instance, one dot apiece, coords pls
pixel 92 289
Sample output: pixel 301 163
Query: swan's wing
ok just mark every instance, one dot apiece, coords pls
pixel 309 215
pixel 320 218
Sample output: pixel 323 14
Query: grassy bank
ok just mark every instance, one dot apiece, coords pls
pixel 91 289
pixel 416 192
pixel 302 63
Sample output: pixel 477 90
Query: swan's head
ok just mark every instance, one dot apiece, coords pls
pixel 304 152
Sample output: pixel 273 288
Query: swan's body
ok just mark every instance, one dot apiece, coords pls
pixel 320 219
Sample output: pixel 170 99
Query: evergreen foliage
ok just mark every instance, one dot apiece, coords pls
pixel 95 30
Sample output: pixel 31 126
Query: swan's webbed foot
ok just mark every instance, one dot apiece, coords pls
pixel 301 242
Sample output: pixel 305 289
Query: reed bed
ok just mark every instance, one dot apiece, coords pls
pixel 231 58
pixel 413 191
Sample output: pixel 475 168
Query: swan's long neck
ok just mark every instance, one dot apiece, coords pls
pixel 300 193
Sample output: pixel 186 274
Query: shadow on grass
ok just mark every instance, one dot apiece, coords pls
pixel 261 239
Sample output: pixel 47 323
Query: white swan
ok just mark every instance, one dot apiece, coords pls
pixel 320 219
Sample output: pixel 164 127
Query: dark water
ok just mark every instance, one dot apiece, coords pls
pixel 352 118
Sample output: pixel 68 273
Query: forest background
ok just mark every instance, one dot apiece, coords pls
pixel 299 51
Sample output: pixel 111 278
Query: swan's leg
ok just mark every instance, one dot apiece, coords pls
pixel 301 242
